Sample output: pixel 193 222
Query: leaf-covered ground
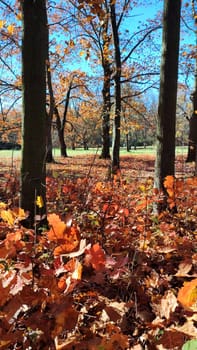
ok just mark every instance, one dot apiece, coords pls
pixel 108 274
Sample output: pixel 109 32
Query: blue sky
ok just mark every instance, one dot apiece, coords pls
pixel 139 16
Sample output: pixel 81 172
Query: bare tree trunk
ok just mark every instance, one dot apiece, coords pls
pixel 34 55
pixel 49 150
pixel 61 123
pixel 60 131
pixel 117 87
pixel 105 153
pixel 49 146
pixel 127 142
pixel 165 154
pixel 192 147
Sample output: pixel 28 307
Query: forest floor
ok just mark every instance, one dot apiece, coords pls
pixel 108 273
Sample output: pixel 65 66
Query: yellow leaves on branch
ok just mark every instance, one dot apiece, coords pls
pixel 10 29
pixel 95 7
pixel 187 295
pixel 2 23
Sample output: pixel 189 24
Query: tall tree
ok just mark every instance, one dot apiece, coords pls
pixel 192 149
pixel 106 65
pixel 165 153
pixel 34 56
pixel 49 114
pixel 75 81
pixel 117 90
pixel 94 21
pixel 61 124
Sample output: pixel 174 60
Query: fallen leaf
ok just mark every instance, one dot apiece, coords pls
pixel 167 305
pixel 7 216
pixel 184 268
pixel 187 295
pixel 171 339
pixel 65 316
pixel 69 243
pixel 189 327
pixel 117 341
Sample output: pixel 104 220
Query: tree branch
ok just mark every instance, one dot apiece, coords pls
pixel 139 42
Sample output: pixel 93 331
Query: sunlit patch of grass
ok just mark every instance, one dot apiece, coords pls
pixel 150 150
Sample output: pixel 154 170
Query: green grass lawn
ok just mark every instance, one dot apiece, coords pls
pixel 80 151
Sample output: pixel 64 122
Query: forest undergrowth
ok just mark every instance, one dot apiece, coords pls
pixel 108 273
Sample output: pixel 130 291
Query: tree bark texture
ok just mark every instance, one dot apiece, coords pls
pixel 60 130
pixel 105 153
pixel 192 146
pixel 49 149
pixel 34 55
pixel 165 153
pixel 117 88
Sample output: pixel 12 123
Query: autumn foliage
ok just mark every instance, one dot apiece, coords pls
pixel 187 295
pixel 106 273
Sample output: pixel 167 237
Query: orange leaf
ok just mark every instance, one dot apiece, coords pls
pixel 57 229
pixel 96 257
pixel 62 283
pixel 169 181
pixel 69 243
pixel 169 185
pixel 66 236
pixel 19 16
pixel 13 243
pixel 187 295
